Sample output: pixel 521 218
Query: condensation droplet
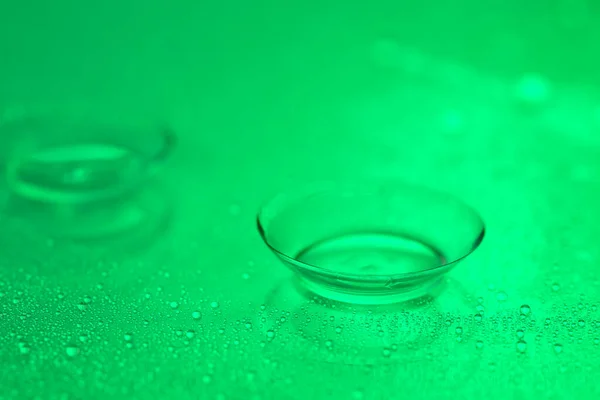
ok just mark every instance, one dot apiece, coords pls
pixel 72 351
pixel 501 296
pixel 558 348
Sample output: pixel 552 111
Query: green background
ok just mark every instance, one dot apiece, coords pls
pixel 268 95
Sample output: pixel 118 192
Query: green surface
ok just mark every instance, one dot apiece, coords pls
pixel 497 103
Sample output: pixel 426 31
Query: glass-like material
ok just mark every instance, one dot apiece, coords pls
pixel 80 177
pixel 55 159
pixel 369 243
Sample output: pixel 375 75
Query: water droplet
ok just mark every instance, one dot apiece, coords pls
pixel 270 334
pixel 479 344
pixel 196 315
pixel 329 344
pixel 520 333
pixel 72 351
pixel 581 323
pixel 24 348
pixel 214 305
pixel 532 89
pixel 83 338
pixel 87 299
pixel 207 379
pixel 501 296
pixel 558 348
pixel 478 317
pixel 525 310
pixel 248 325
pixel 245 276
pixel 190 334
pixel 386 352
pixel 458 330
pixel 174 305
pixel 128 337
pixel 521 346
pixel 555 287
pixel 82 306
pixel 358 395
pixel 339 329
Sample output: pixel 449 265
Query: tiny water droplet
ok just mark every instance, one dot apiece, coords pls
pixel 525 310
pixel 190 334
pixel 24 348
pixel 501 296
pixel 555 287
pixel 196 315
pixel 339 329
pixel 558 348
pixel 128 337
pixel 214 305
pixel 581 323
pixel 478 317
pixel 521 346
pixel 459 330
pixel 520 333
pixel 174 305
pixel 270 334
pixel 479 344
pixel 532 89
pixel 72 351
pixel 386 352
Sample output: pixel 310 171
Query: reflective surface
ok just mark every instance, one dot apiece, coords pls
pixel 270 96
